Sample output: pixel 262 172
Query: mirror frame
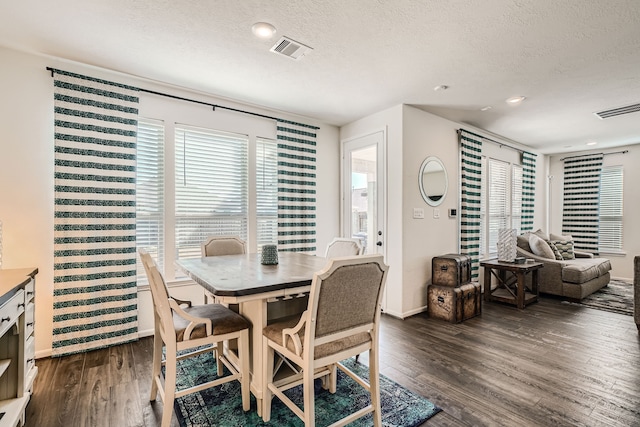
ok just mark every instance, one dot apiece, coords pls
pixel 426 198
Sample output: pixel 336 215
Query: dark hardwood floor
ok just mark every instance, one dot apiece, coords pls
pixel 550 364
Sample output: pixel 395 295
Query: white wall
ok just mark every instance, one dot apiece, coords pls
pixel 426 135
pixel 622 265
pixel 26 170
pixel 413 135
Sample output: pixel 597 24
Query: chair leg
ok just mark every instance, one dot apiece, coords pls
pixel 309 396
pixel 267 378
pixel 374 382
pixel 169 389
pixel 156 365
pixel 333 379
pixel 218 352
pixel 245 380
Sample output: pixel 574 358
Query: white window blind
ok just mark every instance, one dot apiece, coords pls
pixel 211 194
pixel 516 197
pixel 266 191
pixel 483 206
pixel 611 209
pixel 501 201
pixel 498 200
pixel 150 192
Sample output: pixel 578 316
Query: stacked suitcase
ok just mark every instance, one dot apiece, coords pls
pixel 452 296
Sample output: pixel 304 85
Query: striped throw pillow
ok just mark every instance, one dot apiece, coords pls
pixel 562 248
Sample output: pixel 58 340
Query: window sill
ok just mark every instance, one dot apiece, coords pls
pixel 612 253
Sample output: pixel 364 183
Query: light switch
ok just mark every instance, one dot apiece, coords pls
pixel 418 213
pixel 436 213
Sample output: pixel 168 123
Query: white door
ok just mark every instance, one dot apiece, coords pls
pixel 363 191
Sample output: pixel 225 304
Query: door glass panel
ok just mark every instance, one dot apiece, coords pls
pixel 364 197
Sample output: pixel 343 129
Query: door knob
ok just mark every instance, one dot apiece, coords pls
pixel 379 243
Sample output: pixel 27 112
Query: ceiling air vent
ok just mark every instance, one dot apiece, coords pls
pixel 633 108
pixel 290 48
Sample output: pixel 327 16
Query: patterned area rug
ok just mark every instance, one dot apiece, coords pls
pixel 222 406
pixel 616 297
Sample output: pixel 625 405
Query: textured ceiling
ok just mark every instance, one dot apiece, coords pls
pixel 570 58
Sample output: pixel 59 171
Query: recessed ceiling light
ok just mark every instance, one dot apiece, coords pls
pixel 591 143
pixel 514 100
pixel 441 87
pixel 487 108
pixel 264 30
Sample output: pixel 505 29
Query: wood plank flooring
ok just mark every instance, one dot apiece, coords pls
pixel 550 364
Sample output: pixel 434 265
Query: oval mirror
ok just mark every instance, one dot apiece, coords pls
pixel 432 181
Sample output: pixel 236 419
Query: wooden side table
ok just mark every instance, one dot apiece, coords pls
pixel 511 288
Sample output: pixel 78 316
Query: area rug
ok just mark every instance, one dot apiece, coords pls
pixel 617 297
pixel 222 406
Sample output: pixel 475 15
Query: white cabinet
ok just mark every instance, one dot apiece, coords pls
pixel 17 345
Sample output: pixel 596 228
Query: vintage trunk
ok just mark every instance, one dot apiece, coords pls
pixel 454 304
pixel 451 270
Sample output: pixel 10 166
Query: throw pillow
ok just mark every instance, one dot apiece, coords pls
pixel 564 247
pixel 541 234
pixel 559 237
pixel 555 250
pixel 540 247
pixel 522 241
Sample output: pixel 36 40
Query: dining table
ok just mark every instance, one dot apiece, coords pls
pixel 255 287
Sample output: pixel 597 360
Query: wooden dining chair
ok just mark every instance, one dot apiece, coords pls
pixel 342 246
pixel 186 331
pixel 221 245
pixel 329 331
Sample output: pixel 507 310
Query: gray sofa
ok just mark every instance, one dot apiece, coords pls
pixel 636 290
pixel 573 279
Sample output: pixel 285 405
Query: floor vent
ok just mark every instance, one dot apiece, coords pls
pixel 290 48
pixel 633 108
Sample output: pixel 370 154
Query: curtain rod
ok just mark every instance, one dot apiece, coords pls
pixel 604 154
pixel 214 106
pixel 501 144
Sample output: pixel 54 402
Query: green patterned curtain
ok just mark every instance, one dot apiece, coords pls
pixel 95 291
pixel 580 215
pixel 528 190
pixel 470 188
pixel 296 186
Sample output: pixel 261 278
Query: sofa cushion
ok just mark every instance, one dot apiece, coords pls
pixel 582 270
pixel 564 248
pixel 540 247
pixel 559 237
pixel 522 240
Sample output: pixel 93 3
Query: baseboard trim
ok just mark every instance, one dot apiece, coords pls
pixel 406 314
pixel 41 354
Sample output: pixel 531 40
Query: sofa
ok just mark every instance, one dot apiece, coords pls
pixel 574 278
pixel 636 291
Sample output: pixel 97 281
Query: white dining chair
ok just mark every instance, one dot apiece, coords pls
pixel 186 331
pixel 342 246
pixel 329 331
pixel 221 245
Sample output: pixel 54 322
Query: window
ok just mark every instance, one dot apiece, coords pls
pixel 610 209
pixel 266 191
pixel 150 192
pixel 194 182
pixel 211 187
pixel 501 201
